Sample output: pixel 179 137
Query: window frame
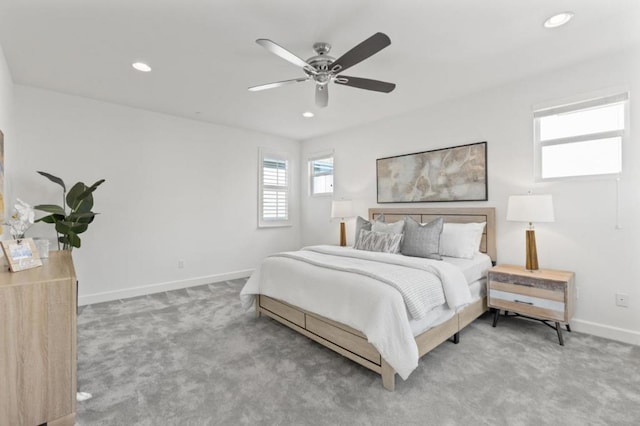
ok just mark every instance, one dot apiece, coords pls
pixel 311 175
pixel 270 154
pixel 584 103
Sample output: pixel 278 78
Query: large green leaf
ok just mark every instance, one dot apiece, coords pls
pixel 92 188
pixel 51 208
pixel 66 227
pixel 55 179
pixel 74 193
pixel 84 201
pixel 85 205
pixel 80 216
pixel 74 240
pixel 52 218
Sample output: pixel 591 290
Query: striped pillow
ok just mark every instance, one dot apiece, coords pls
pixel 378 241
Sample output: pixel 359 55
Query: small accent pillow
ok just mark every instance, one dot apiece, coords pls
pixel 388 228
pixel 362 223
pixel 461 239
pixel 378 241
pixel 422 239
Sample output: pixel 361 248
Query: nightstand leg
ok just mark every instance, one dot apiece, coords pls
pixel 559 330
pixel 568 328
pixel 496 315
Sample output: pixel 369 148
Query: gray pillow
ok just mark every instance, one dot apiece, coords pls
pixel 378 241
pixel 388 228
pixel 362 223
pixel 422 239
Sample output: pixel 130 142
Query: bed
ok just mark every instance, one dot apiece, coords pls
pixel 391 341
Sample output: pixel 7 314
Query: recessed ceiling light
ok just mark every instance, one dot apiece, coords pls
pixel 307 114
pixel 141 66
pixel 558 20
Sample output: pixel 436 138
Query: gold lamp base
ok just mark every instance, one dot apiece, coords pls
pixel 532 253
pixel 343 235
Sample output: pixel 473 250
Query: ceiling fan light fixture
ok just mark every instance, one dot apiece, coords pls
pixel 141 66
pixel 558 20
pixel 308 114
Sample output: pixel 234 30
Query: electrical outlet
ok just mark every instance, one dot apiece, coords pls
pixel 622 300
pixel 180 264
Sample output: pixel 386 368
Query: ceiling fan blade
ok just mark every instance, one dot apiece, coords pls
pixel 365 83
pixel 367 48
pixel 276 49
pixel 322 95
pixel 277 84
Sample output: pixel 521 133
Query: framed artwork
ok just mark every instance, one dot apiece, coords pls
pixel 21 254
pixel 458 173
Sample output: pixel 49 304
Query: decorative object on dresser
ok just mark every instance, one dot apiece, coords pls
pixel 38 344
pixel 530 208
pixel 79 200
pixel 21 254
pixel 449 174
pixel 22 218
pixel 547 295
pixel 342 209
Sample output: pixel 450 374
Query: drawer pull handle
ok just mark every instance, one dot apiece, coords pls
pixel 524 284
pixel 521 301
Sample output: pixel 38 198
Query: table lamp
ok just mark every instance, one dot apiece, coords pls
pixel 530 208
pixel 342 209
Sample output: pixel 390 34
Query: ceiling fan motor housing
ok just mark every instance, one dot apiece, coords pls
pixel 321 63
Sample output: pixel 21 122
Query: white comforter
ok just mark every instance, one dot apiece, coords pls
pixel 358 299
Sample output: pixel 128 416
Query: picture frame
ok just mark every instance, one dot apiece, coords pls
pixel 456 173
pixel 21 254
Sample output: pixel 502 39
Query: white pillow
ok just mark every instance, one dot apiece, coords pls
pixel 461 239
pixel 388 228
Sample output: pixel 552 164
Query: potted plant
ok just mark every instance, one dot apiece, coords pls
pixel 74 221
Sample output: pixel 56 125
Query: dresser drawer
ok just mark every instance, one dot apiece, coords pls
pixel 527 305
pixel 556 293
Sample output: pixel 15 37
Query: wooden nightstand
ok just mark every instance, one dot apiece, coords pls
pixel 545 295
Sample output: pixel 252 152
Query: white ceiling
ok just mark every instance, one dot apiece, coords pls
pixel 204 55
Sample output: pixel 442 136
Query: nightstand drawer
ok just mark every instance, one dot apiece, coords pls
pixel 556 294
pixel 527 305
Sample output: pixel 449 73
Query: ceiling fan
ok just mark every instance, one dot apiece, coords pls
pixel 323 69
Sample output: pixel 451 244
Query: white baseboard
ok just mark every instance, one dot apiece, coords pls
pixel 608 332
pixel 107 296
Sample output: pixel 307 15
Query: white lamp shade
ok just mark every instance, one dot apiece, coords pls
pixel 530 208
pixel 341 208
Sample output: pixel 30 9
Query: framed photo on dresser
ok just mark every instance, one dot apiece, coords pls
pixel 21 254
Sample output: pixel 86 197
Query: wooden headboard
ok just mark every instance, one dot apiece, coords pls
pixel 449 214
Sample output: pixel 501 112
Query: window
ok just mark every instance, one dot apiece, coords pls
pixel 321 175
pixel 581 139
pixel 274 190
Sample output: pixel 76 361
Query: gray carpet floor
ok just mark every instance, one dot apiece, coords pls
pixel 194 357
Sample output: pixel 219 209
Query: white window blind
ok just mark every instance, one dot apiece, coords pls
pixel 274 190
pixel 582 138
pixel 321 175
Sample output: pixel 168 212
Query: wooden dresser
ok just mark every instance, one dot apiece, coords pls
pixel 38 343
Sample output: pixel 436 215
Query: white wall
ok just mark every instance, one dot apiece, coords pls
pixel 582 239
pixel 175 189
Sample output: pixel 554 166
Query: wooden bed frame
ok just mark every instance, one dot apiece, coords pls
pixel 352 343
